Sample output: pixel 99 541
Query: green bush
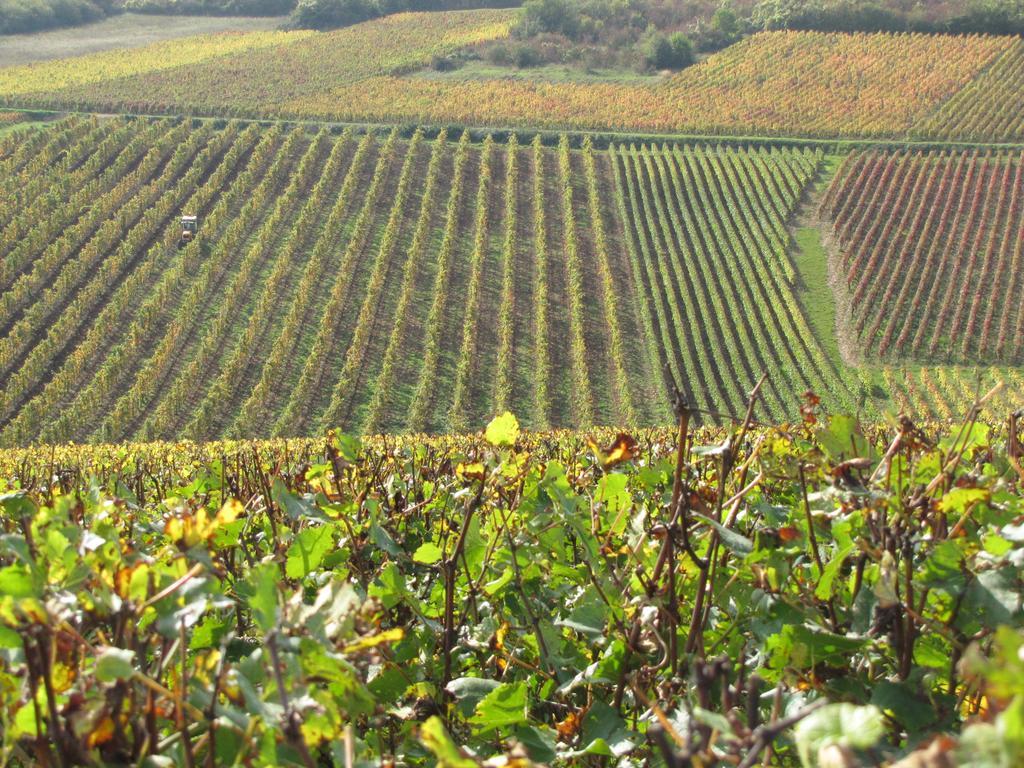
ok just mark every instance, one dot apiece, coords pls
pixel 673 51
pixel 326 14
pixel 330 14
pixel 17 16
pixel 997 17
pixel 212 7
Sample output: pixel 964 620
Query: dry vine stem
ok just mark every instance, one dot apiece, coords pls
pixel 728 461
pixel 449 567
pixel 666 555
pixel 1014 450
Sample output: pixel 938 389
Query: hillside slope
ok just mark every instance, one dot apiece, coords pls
pixel 367 281
pixel 400 282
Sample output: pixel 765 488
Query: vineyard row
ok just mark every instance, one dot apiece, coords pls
pixel 374 283
pixel 931 247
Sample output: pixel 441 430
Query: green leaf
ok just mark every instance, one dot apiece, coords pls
pixel 611 491
pixel 389 685
pixel 843 725
pixel 17 504
pixel 308 551
pixel 995 596
pixel 996 545
pixel 605 732
pixel 260 591
pixel 959 499
pixel 384 541
pixel 491 588
pixel 469 691
pixel 842 438
pixel 114 664
pixel 803 646
pixel 24 723
pixel 9 638
pixel 975 437
pixel 942 569
pixel 436 739
pixel 389 587
pixel 348 446
pixel 17 581
pixel 589 614
pixel 905 704
pixel 1012 721
pixel 733 541
pixel 539 742
pixel 475 550
pixel 428 553
pixel 11 544
pixel 208 633
pixel 503 430
pixel 296 507
pixel 824 589
pixel 502 707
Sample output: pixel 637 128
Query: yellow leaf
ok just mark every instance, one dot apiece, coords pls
pixel 503 430
pixel 623 449
pixel 191 529
pixel 103 732
pixel 231 511
pixel 473 471
pixel 498 639
pixel 63 677
pixel 387 636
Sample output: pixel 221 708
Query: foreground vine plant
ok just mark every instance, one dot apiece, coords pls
pixel 825 593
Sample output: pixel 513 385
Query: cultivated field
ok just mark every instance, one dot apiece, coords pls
pixel 76 76
pixel 773 84
pixel 363 281
pixel 931 247
pixel 990 108
pixel 376 282
pixel 706 232
pixel 249 74
pixel 942 392
pixel 734 533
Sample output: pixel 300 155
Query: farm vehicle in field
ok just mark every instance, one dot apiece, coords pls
pixel 189 230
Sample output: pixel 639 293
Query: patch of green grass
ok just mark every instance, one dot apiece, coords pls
pixel 551 73
pixel 811 262
pixel 5 129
